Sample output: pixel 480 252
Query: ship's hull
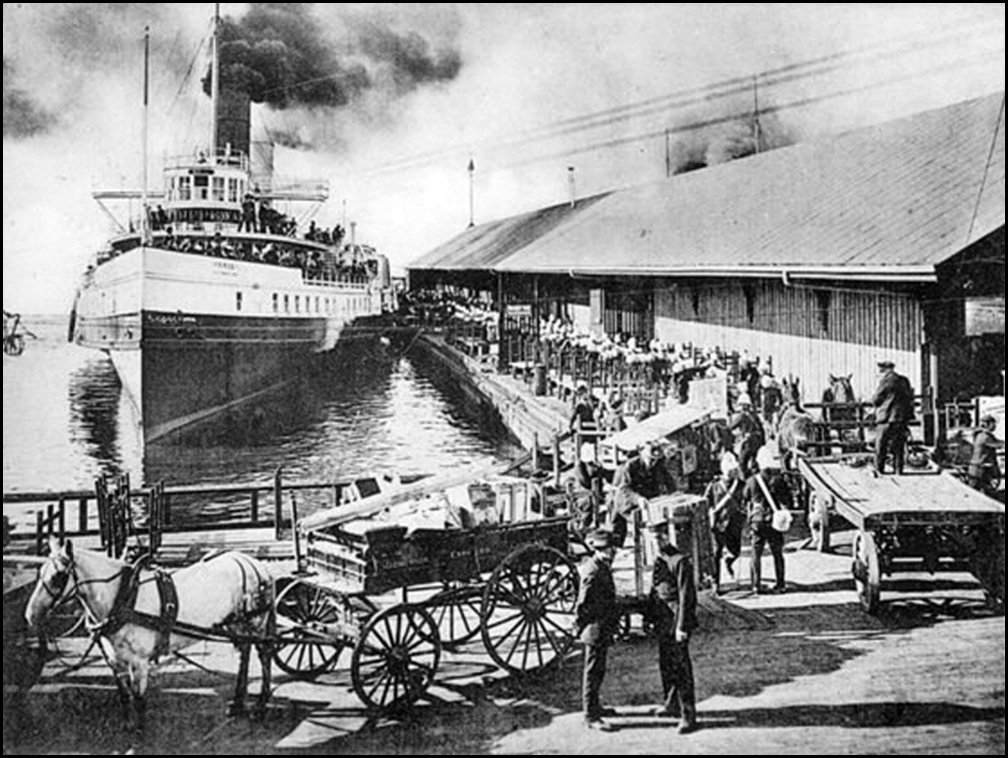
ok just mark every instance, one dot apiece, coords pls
pixel 189 364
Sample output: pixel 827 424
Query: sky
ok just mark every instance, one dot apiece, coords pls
pixel 389 104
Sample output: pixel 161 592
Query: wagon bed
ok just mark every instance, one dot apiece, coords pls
pixel 921 520
pixel 924 497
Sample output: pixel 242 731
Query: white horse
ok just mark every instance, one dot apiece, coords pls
pixel 138 618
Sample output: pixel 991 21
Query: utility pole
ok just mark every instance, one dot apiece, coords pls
pixel 757 132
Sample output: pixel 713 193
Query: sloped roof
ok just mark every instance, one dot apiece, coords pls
pixel 485 245
pixel 887 201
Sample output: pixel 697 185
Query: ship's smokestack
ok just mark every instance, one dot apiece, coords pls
pixel 234 116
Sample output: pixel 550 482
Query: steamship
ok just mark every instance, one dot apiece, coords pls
pixel 211 302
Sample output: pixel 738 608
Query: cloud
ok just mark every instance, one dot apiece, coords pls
pixel 22 116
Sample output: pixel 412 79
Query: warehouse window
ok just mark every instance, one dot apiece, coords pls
pixel 750 303
pixel 824 298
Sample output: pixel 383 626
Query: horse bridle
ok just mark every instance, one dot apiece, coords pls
pixel 62 577
pixel 60 581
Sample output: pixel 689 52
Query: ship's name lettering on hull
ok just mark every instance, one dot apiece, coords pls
pixel 170 319
pixel 225 269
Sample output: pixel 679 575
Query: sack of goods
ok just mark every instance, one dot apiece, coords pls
pixel 782 520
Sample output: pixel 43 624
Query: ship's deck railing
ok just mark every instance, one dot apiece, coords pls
pixel 203 243
pixel 201 157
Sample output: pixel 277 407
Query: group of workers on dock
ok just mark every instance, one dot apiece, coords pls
pixel 750 497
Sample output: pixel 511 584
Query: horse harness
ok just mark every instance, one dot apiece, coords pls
pixel 255 599
pixel 124 611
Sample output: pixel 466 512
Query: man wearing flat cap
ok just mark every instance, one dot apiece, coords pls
pixel 640 479
pixel 984 472
pixel 674 602
pixel 597 616
pixel 894 410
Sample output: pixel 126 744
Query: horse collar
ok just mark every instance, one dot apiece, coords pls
pixel 124 608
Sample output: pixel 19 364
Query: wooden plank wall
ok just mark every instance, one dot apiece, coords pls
pixel 810 332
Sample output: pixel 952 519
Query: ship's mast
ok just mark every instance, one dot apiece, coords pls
pixel 214 82
pixel 145 235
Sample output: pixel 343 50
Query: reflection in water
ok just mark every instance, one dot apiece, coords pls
pixel 93 395
pixel 67 421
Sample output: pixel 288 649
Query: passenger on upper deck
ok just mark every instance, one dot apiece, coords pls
pixel 248 219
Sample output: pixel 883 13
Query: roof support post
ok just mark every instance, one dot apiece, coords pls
pixel 502 345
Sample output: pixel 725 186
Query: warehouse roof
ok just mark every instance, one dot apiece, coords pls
pixel 888 201
pixel 485 245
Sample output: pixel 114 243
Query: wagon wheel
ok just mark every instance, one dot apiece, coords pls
pixel 867 578
pixel 306 646
pixel 395 658
pixel 456 611
pixel 528 609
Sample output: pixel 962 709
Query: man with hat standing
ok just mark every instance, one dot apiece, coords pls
pixel 674 601
pixel 894 410
pixel 764 492
pixel 747 428
pixel 597 616
pixel 984 472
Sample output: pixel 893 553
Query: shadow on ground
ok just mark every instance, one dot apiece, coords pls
pixel 740 653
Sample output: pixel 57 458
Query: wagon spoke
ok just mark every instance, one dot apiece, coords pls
pixel 503 638
pixel 386 677
pixel 532 627
pixel 395 659
pixel 549 620
pixel 550 637
pixel 514 646
pixel 413 631
pixel 505 619
pixel 306 648
pixel 419 642
pixel 556 592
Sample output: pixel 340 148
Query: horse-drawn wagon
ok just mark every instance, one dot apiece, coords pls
pixel 395 578
pixel 925 519
pixel 922 520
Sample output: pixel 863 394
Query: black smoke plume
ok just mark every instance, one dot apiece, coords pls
pixel 727 139
pixel 281 55
pixel 22 117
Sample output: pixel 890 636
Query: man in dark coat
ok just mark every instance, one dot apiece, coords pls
pixel 641 478
pixel 597 616
pixel 894 410
pixel 674 602
pixel 749 435
pixel 984 472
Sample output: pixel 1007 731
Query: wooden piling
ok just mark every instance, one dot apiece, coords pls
pixel 297 538
pixel 278 503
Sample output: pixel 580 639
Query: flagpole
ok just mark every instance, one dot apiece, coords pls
pixel 472 170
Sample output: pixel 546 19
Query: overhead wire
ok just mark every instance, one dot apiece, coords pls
pixel 691 96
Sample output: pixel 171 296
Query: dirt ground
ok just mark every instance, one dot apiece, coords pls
pixel 797 673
